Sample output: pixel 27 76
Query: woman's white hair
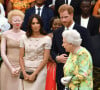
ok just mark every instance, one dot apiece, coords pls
pixel 72 36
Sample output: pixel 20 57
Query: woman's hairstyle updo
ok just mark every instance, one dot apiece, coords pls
pixel 73 37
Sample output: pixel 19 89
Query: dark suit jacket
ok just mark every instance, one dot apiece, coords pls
pixel 93 24
pixel 96 49
pixel 57 48
pixel 74 3
pixel 48 2
pixel 47 14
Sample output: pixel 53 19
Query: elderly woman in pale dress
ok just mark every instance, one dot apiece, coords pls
pixel 10 52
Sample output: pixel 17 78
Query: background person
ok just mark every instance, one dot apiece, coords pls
pixel 86 19
pixel 74 3
pixel 4 25
pixel 43 11
pixel 96 10
pixel 55 23
pixel 19 4
pixel 2 11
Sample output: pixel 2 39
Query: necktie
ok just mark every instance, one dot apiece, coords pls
pixel 39 11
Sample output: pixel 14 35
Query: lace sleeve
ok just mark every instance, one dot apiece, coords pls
pixel 48 43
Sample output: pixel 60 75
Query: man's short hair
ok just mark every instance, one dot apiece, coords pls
pixel 66 7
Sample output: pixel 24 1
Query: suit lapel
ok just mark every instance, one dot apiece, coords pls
pixel 63 28
pixel 89 22
pixel 75 26
pixel 43 12
pixel 79 20
pixel 71 2
pixel 33 10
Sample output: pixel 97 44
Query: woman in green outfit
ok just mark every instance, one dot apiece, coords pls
pixel 78 65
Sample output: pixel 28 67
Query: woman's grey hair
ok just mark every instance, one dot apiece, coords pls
pixel 72 36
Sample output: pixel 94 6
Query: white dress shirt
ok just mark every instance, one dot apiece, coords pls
pixel 69 2
pixel 41 9
pixel 84 21
pixel 71 27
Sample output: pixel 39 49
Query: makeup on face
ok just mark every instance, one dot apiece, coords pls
pixel 16 21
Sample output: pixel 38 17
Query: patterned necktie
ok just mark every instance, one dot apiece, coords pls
pixel 39 11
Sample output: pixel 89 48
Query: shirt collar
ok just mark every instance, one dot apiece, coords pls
pixel 36 7
pixel 71 27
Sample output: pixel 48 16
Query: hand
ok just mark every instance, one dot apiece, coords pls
pixel 66 80
pixel 26 76
pixel 32 77
pixel 14 72
pixel 62 58
pixel 50 59
pixel 18 70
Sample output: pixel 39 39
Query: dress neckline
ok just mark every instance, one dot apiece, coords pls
pixel 14 39
pixel 38 37
pixel 79 50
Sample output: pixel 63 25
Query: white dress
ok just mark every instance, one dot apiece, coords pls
pixel 9 82
pixel 34 50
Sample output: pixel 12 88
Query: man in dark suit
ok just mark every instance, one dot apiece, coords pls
pixel 74 3
pixel 58 53
pixel 86 19
pixel 44 12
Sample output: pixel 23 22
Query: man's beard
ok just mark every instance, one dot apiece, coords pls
pixel 67 24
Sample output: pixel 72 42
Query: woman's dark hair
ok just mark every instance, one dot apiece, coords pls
pixel 29 29
pixel 85 0
pixel 52 20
